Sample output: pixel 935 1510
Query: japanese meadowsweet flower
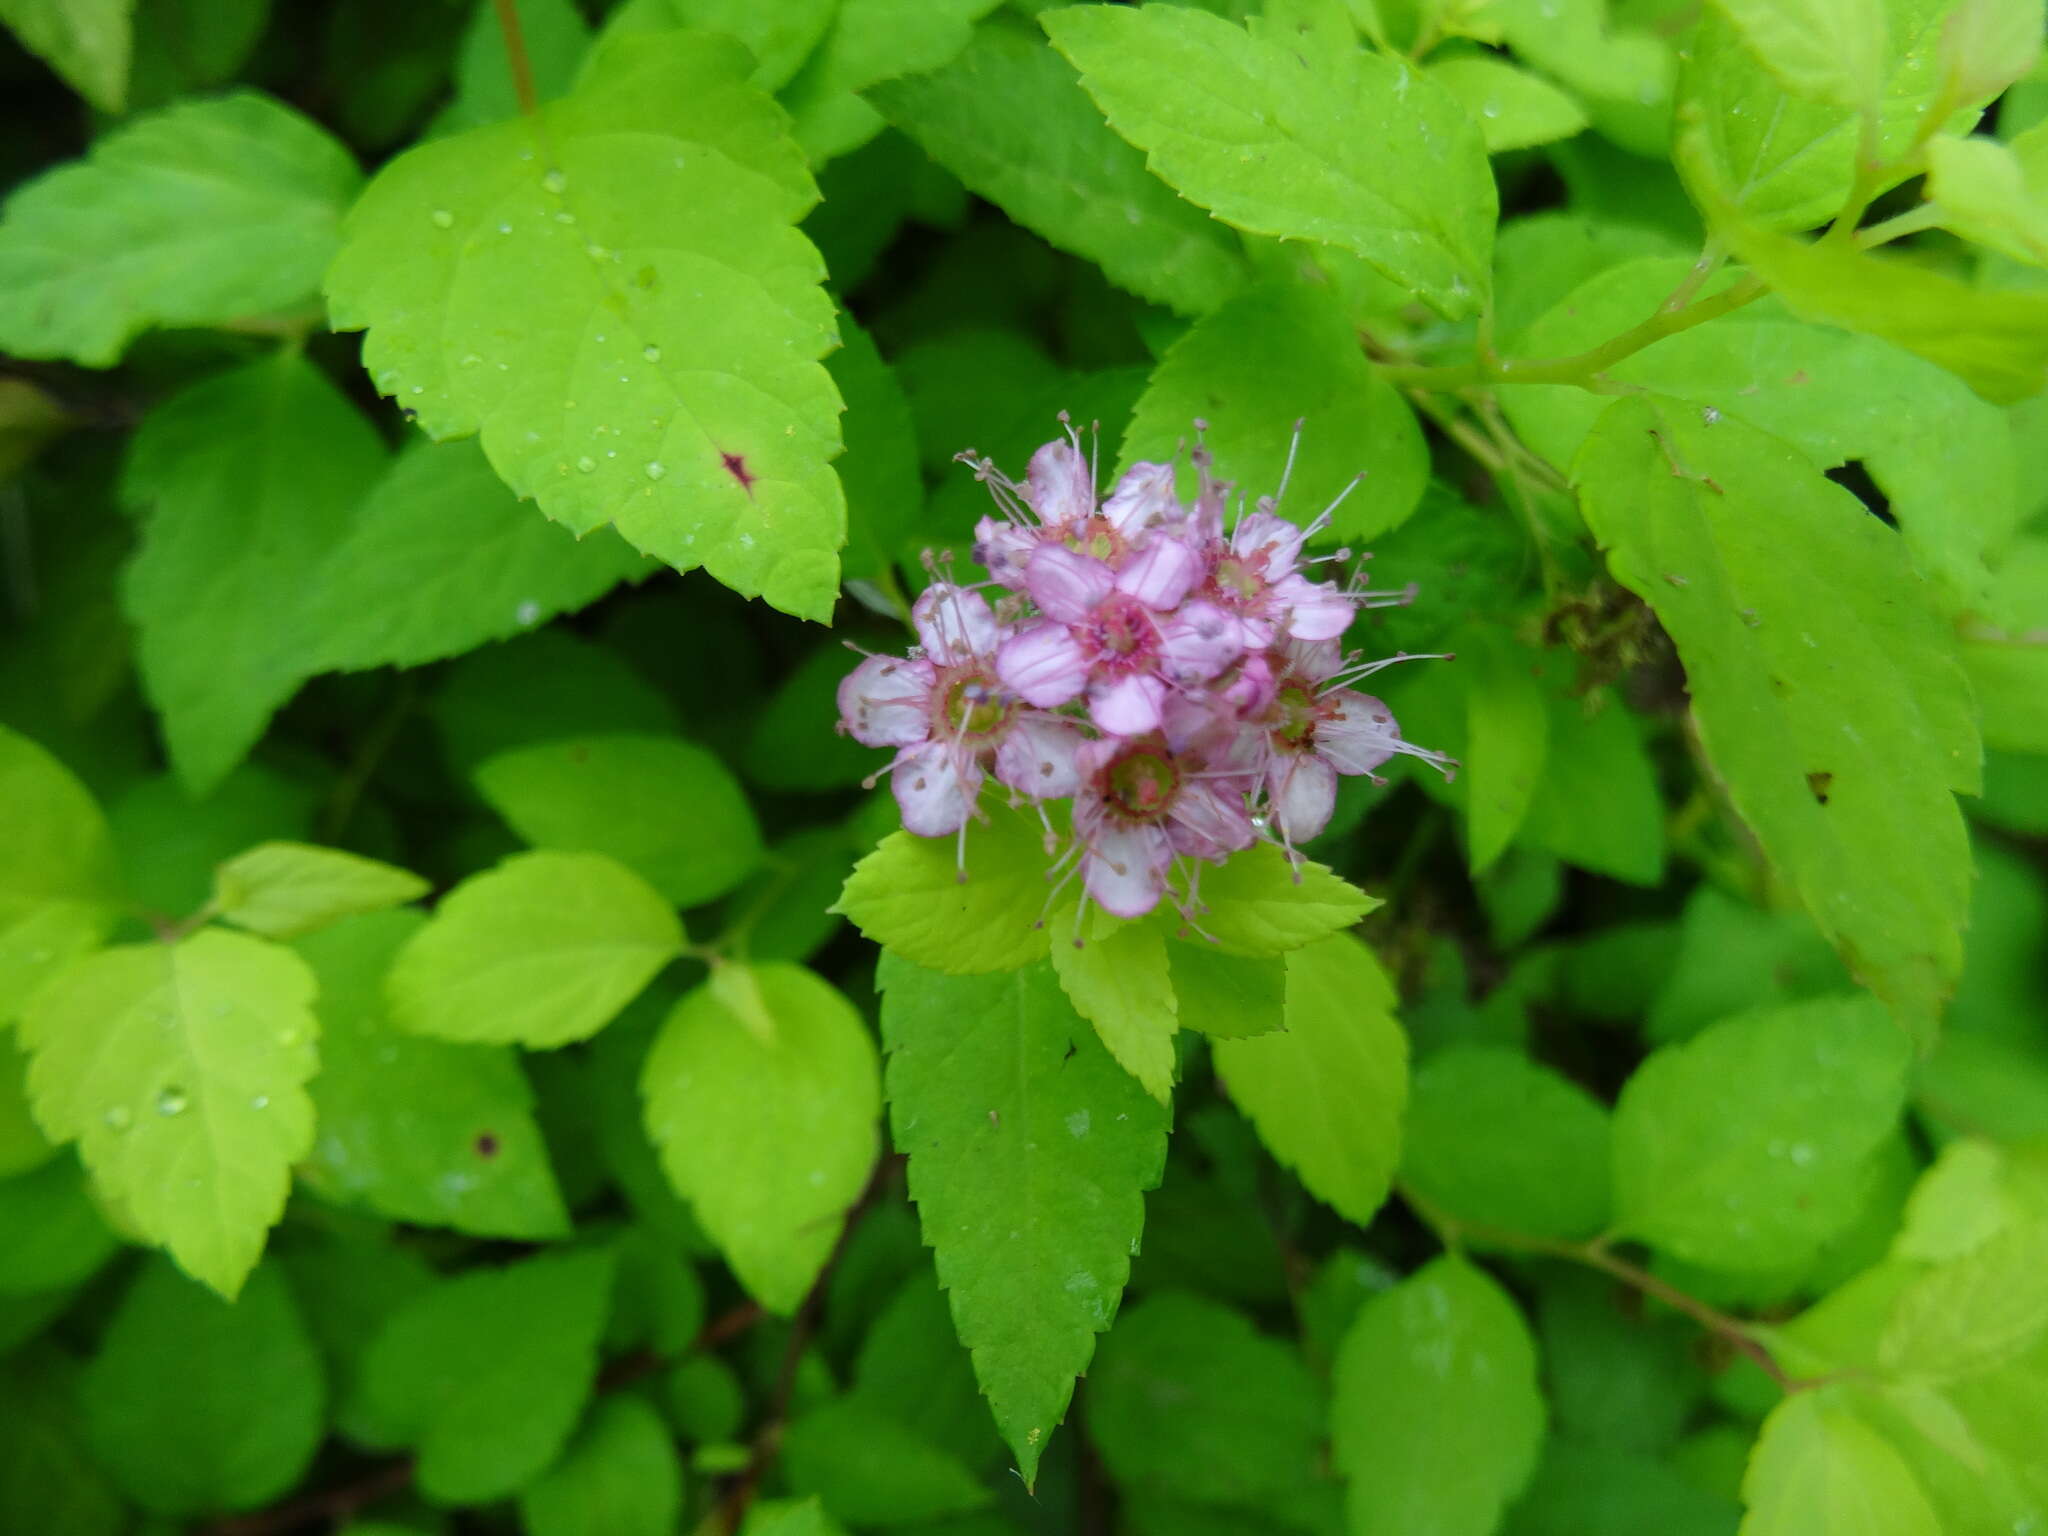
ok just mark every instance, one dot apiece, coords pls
pixel 1139 804
pixel 951 718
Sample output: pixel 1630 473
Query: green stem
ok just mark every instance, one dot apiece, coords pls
pixel 1911 222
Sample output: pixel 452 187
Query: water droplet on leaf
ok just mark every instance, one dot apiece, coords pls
pixel 555 182
pixel 586 464
pixel 171 1101
pixel 656 469
pixel 443 219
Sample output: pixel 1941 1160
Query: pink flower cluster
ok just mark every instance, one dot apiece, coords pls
pixel 1180 680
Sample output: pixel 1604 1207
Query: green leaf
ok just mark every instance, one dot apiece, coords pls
pixel 544 949
pixel 1942 456
pixel 555 38
pixel 795 743
pixel 1259 903
pixel 551 284
pixel 1734 957
pixel 1619 832
pixel 1818 1470
pixel 1994 341
pixel 180 1071
pixel 438 558
pixel 171 841
pixel 1596 1490
pixel 250 479
pixel 1746 1147
pixel 871 1470
pixel 1282 138
pixel 1117 979
pixel 2005 649
pixel 868 42
pixel 86 41
pixel 1029 1150
pixel 207 212
pixel 1986 45
pixel 49 1482
pixel 1513 108
pixel 879 470
pixel 543 687
pixel 1187 1398
pixel 761 1094
pixel 56 1238
pixel 485 1375
pixel 779 37
pixel 1541 257
pixel 667 810
pixel 284 890
pixel 1008 117
pixel 1978 1311
pixel 910 896
pixel 57 884
pixel 1500 1141
pixel 1993 193
pixel 1824 686
pixel 1228 997
pixel 1617 1374
pixel 421 1131
pixel 1507 736
pixel 789 1517
pixel 1267 360
pixel 22 1146
pixel 1327 1092
pixel 1436 1416
pixel 619 1477
pixel 1824 50
pixel 194 1405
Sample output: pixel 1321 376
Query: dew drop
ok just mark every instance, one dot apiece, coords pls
pixel 555 182
pixel 527 614
pixel 171 1101
pixel 656 469
pixel 565 217
pixel 504 229
pixel 116 1117
pixel 586 465
pixel 443 219
pixel 595 251
pixel 261 1101
pixel 652 354
pixel 1491 109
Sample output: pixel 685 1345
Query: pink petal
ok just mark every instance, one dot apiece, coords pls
pixel 1268 531
pixel 1303 790
pixel 1058 484
pixel 1159 572
pixel 935 788
pixel 1359 735
pixel 1044 665
pixel 954 625
pixel 1312 660
pixel 1315 610
pixel 1128 705
pixel 1198 642
pixel 1142 497
pixel 1039 757
pixel 1209 819
pixel 1067 586
pixel 1125 867
pixel 886 701
pixel 1004 549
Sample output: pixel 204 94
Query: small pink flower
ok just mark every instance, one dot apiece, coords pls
pixel 1139 804
pixel 1315 731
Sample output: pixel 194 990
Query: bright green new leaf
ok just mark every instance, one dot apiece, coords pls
pixel 180 1071
pixel 210 211
pixel 57 882
pixel 909 895
pixel 1029 1151
pixel 1746 1148
pixel 2005 649
pixel 195 1405
pixel 1824 685
pixel 1507 737
pixel 1497 1140
pixel 1279 138
pixel 871 1469
pixel 421 1131
pixel 283 890
pixel 1261 903
pixel 1824 50
pixel 1186 1397
pixel 88 42
pixel 1986 45
pixel 765 1120
pixel 1995 341
pixel 1942 456
pixel 1117 979
pixel 1613 61
pixel 868 42
pixel 542 950
pixel 780 37
pixel 1327 1092
pixel 1436 1416
pixel 249 480
pixel 1976 1311
pixel 1993 193
pixel 619 1477
pixel 1268 359
pixel 485 1375
pixel 440 557
pixel 1230 997
pixel 1008 117
pixel 1513 108
pixel 1819 1470
pixel 553 284
pixel 664 808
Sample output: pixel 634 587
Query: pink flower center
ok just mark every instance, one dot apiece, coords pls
pixel 1122 626
pixel 1236 576
pixel 1141 784
pixel 972 706
pixel 1294 716
pixel 1096 538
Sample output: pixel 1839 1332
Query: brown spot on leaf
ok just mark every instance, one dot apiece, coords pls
pixel 1818 783
pixel 486 1145
pixel 736 466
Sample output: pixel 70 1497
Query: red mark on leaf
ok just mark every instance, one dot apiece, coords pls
pixel 736 466
pixel 487 1145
